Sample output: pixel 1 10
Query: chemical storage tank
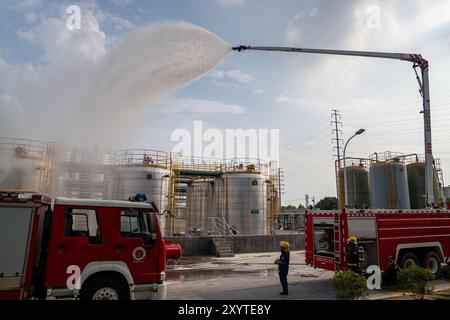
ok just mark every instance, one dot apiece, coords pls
pixel 139 171
pixel 200 206
pixel 25 164
pixel 416 183
pixel 85 173
pixel 389 185
pixel 357 187
pixel 245 206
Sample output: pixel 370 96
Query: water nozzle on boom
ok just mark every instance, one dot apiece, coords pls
pixel 241 48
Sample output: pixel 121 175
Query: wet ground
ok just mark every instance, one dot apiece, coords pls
pixel 253 276
pixel 245 276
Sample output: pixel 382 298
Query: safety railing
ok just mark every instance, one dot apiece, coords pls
pixel 143 157
pixel 221 229
pixel 94 156
pixel 246 166
pixel 23 148
pixel 181 163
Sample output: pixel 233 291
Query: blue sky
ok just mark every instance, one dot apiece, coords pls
pixel 292 93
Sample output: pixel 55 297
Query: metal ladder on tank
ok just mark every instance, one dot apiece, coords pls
pixel 437 166
pixel 390 187
pixel 223 235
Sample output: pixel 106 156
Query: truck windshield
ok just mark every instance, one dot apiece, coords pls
pixel 135 223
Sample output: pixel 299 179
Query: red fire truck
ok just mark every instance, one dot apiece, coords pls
pixel 86 249
pixel 410 237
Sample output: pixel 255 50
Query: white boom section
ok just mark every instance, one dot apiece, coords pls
pixel 417 60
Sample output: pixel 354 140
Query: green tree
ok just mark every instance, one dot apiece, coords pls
pixel 287 208
pixel 327 203
pixel 416 280
pixel 349 285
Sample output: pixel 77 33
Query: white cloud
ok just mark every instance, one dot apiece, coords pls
pixel 189 105
pixel 283 98
pixel 121 3
pixel 236 75
pixel 61 44
pixel 217 74
pixel 225 85
pixel 239 75
pixel 227 3
pixel 27 4
pixel 258 91
pixel 30 17
pixel 121 24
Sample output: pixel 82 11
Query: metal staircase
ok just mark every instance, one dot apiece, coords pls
pixel 223 235
pixel 390 188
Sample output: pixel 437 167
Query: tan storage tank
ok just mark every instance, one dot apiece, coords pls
pixel 357 187
pixel 416 183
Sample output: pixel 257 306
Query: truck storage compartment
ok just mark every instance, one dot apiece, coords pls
pixel 15 228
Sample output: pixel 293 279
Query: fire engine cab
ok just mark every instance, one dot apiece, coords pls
pixel 85 249
pixel 410 237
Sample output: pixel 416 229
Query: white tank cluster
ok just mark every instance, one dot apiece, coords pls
pixel 390 181
pixel 241 192
pixel 236 191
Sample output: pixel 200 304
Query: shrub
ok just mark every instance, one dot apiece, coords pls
pixel 415 280
pixel 349 285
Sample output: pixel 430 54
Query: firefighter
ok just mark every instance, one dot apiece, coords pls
pixel 390 275
pixel 283 266
pixel 353 255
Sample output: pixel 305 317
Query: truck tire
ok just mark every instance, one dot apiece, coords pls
pixel 408 260
pixel 105 288
pixel 432 261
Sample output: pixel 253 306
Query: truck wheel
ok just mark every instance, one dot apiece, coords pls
pixel 105 288
pixel 432 262
pixel 409 260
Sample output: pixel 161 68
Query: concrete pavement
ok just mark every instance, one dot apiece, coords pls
pixel 254 277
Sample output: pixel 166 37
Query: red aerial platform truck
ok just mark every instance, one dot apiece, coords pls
pixel 410 237
pixel 86 249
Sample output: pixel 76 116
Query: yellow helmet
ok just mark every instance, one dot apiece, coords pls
pixel 284 245
pixel 352 239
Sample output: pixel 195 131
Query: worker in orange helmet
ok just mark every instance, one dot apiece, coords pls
pixel 353 258
pixel 283 266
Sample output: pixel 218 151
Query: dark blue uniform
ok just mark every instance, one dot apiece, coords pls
pixel 283 269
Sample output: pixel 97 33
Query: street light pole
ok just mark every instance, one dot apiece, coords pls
pixel 357 133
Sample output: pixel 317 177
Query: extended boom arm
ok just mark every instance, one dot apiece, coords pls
pixel 417 61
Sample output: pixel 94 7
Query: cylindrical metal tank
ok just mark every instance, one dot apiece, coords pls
pixel 389 185
pixel 416 183
pixel 153 181
pixel 245 204
pixel 200 206
pixel 25 164
pixel 357 187
pixel 84 173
